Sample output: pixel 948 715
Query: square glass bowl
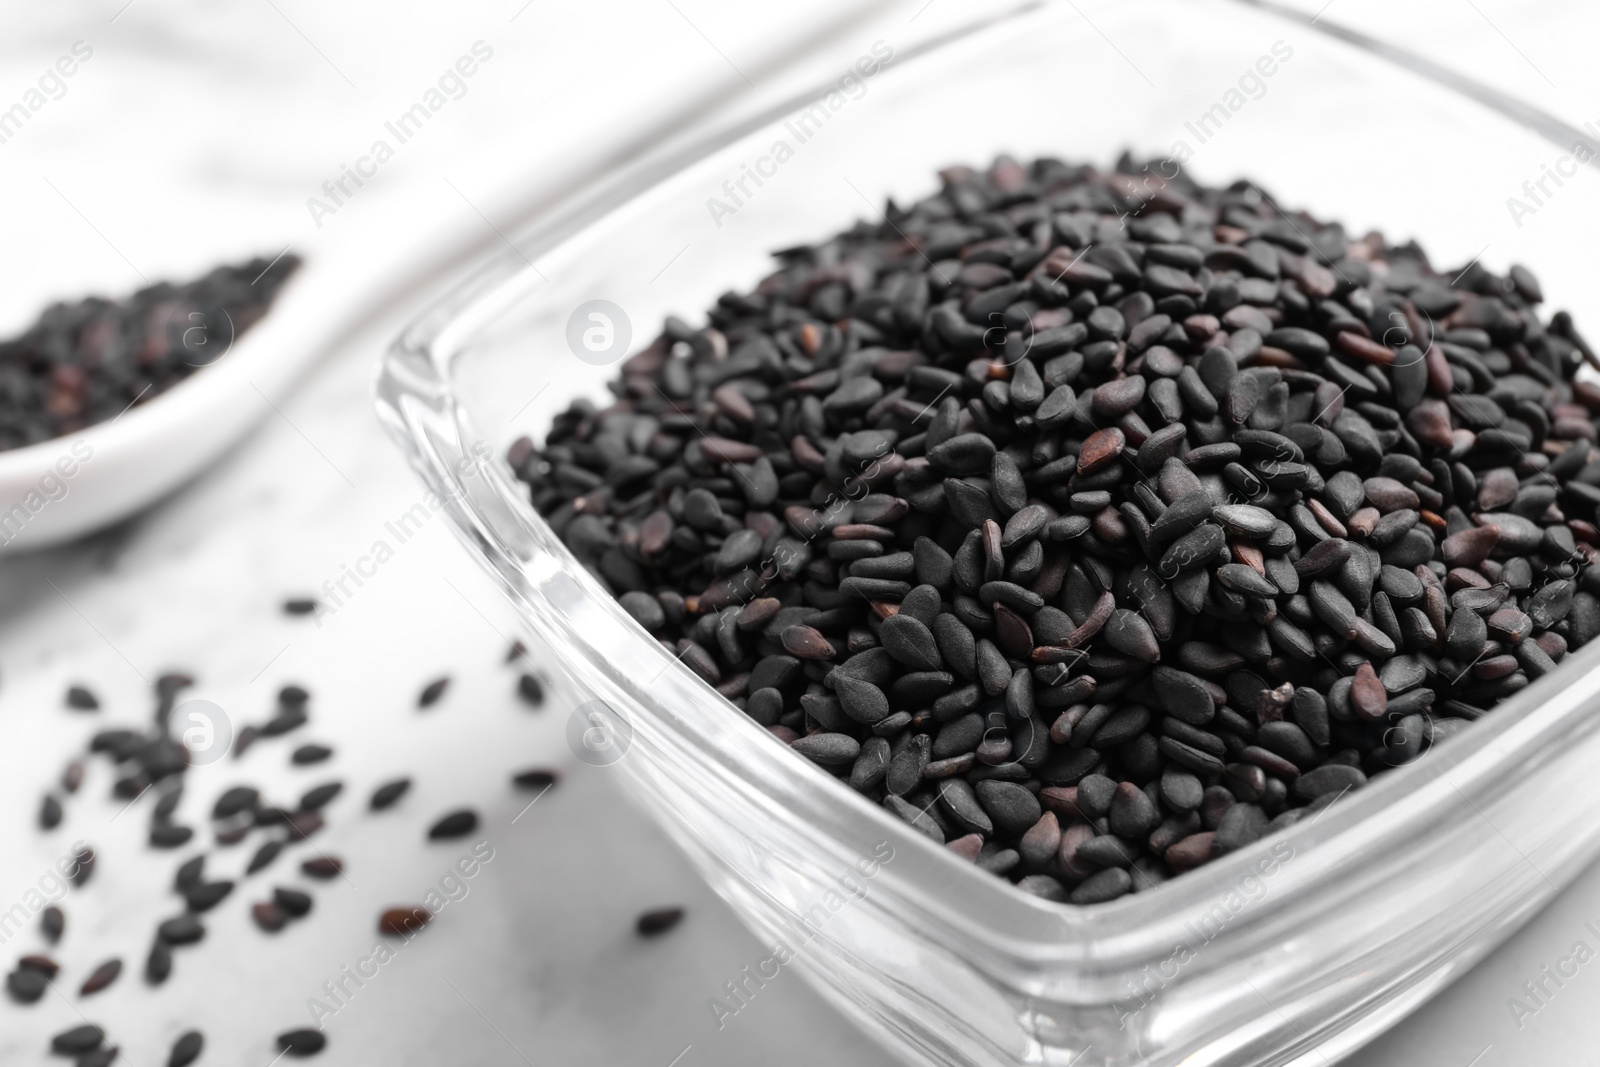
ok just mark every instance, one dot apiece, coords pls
pixel 1296 950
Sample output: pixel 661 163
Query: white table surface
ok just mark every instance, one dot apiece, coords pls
pixel 196 132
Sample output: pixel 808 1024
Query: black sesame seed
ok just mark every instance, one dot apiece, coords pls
pixel 101 977
pixel 237 799
pixel 531 690
pixel 268 916
pixel 658 921
pixel 263 856
pixel 456 824
pixel 294 902
pixel 309 754
pixel 323 868
pixel 52 922
pixel 170 835
pixel 26 985
pixel 158 964
pixel 432 692
pixel 203 896
pixel 49 813
pixel 81 699
pixel 305 1042
pixel 186 1049
pixel 78 1040
pixel 83 862
pixel 183 930
pixel 537 780
pixel 388 794
pixel 318 797
pixel 403 921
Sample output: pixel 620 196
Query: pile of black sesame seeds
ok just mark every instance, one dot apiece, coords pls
pixel 1098 525
pixel 90 360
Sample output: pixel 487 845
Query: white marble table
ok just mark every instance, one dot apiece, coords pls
pixel 197 132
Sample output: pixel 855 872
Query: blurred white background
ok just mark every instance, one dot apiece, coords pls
pixel 196 132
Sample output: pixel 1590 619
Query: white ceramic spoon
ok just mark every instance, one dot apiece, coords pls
pixel 63 488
